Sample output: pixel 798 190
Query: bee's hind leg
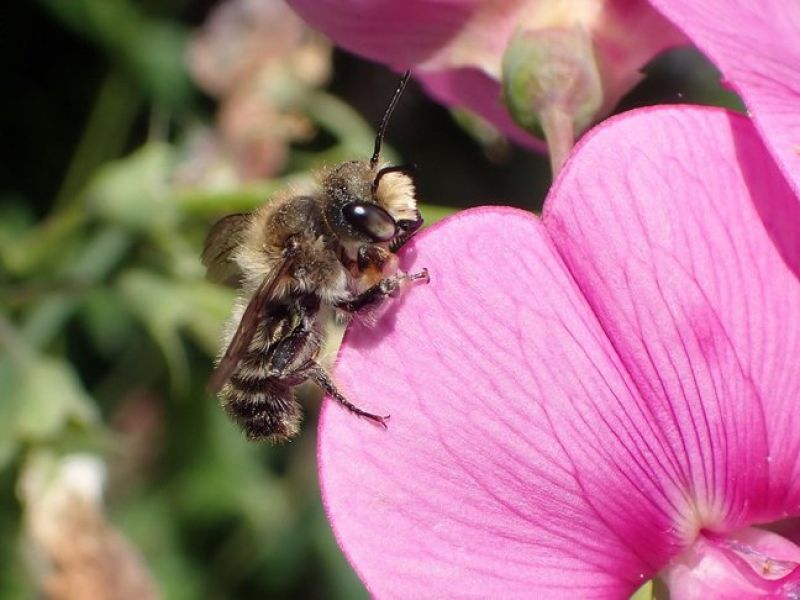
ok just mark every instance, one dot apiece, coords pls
pixel 323 380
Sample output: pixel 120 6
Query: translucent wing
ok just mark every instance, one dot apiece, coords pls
pixel 217 257
pixel 253 315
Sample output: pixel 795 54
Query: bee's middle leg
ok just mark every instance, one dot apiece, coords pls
pixel 290 354
pixel 318 374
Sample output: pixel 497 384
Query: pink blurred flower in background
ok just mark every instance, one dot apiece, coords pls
pixel 257 57
pixel 582 402
pixel 578 57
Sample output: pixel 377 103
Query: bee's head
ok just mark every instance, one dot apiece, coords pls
pixel 368 204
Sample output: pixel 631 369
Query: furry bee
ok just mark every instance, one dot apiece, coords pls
pixel 297 259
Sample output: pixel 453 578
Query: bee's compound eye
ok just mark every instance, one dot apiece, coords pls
pixel 370 220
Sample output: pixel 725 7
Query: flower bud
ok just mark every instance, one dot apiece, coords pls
pixel 551 69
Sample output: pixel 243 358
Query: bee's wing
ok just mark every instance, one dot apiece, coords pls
pixel 225 236
pixel 253 314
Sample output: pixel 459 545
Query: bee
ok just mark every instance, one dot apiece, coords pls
pixel 298 259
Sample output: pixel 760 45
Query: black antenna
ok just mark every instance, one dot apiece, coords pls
pixel 385 119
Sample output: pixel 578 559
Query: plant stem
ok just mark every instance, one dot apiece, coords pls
pixel 104 135
pixel 558 131
pixel 341 120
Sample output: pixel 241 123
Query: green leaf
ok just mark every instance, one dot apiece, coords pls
pixel 100 253
pixel 644 593
pixel 42 397
pixel 29 251
pixel 168 307
pixel 150 522
pixel 107 320
pixel 159 305
pixel 15 219
pixel 134 191
pixel 435 212
pixel 209 307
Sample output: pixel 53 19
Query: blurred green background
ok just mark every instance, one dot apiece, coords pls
pixel 128 128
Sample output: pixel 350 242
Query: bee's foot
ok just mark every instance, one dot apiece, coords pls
pixel 406 278
pixel 423 276
pixel 380 420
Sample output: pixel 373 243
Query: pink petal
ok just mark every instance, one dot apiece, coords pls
pixel 478 485
pixel 701 299
pixel 756 45
pixel 397 33
pixel 566 416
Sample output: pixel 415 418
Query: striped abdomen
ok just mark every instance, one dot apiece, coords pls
pixel 259 395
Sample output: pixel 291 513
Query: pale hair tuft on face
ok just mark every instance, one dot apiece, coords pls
pixel 396 194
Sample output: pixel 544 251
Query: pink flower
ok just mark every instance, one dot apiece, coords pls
pixel 457 48
pixel 757 47
pixel 586 401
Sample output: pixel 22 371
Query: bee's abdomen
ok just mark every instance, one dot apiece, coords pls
pixel 263 407
pixel 259 395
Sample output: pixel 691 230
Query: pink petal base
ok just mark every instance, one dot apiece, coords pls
pixel 750 563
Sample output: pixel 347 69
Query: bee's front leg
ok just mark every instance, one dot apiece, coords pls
pixel 388 286
pixel 375 262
